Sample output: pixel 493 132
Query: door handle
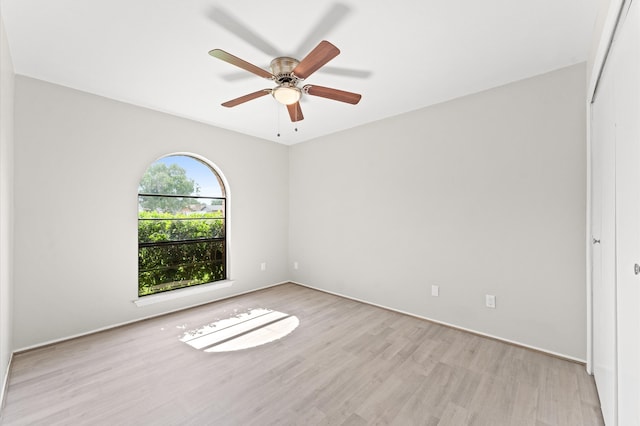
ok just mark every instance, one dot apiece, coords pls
pixel 596 241
pixel 636 269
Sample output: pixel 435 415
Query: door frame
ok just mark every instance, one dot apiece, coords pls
pixel 614 14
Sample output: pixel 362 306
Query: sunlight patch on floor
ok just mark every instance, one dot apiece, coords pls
pixel 245 330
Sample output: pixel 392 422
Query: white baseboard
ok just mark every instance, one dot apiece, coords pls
pixel 109 327
pixel 468 330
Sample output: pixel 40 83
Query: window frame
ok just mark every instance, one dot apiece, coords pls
pixel 222 282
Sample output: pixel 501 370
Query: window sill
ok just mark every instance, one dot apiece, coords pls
pixel 183 292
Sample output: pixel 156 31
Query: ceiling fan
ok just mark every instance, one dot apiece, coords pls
pixel 288 74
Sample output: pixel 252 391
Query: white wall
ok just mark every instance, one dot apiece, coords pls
pixel 78 162
pixel 483 194
pixel 6 205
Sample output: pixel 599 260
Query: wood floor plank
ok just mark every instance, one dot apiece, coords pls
pixel 347 363
pixel 525 405
pixel 455 415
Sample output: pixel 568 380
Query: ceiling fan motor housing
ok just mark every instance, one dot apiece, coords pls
pixel 282 68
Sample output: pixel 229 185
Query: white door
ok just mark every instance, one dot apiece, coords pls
pixel 626 62
pixel 603 250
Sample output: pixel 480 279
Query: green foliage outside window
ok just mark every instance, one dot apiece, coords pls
pixel 154 226
pixel 165 179
pixel 171 266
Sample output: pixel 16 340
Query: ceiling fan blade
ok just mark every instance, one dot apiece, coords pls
pixel 233 25
pixel 295 112
pixel 335 94
pixel 234 60
pixel 332 18
pixel 246 98
pixel 323 53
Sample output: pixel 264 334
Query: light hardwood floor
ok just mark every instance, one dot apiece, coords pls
pixel 346 363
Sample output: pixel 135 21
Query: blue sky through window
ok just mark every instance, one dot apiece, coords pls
pixel 199 172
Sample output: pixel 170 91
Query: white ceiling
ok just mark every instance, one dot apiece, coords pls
pixel 400 55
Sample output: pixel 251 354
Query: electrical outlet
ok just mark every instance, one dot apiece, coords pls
pixel 435 290
pixel 490 301
pixel 263 266
pixel 295 265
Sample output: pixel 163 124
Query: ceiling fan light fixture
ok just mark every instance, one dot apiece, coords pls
pixel 287 94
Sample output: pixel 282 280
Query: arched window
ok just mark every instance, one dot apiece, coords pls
pixel 181 225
